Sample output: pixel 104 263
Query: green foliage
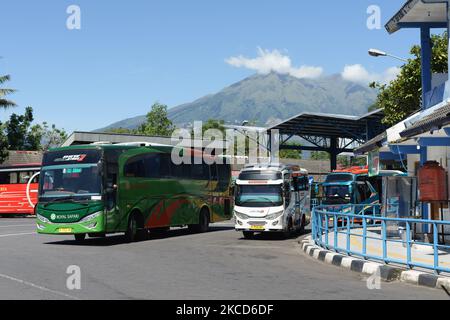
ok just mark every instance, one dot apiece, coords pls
pixel 5 103
pixel 402 96
pixel 157 122
pixel 121 131
pixel 214 124
pixel 48 136
pixel 18 133
pixel 291 154
pixel 320 155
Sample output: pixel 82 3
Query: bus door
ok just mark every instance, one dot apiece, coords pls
pixel 111 189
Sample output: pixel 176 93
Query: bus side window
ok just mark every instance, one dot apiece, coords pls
pixel 224 171
pixel 135 168
pixel 362 192
pixel 5 178
pixel 24 177
pixel 214 174
pixel 13 178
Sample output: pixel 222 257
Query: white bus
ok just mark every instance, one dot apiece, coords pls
pixel 271 198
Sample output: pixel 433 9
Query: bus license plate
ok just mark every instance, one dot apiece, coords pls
pixel 257 228
pixel 65 230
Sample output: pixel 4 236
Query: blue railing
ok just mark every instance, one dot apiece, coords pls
pixel 334 229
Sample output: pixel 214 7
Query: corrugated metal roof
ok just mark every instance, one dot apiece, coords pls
pixel 21 158
pixel 434 121
pixel 417 11
pixel 372 144
pixel 329 125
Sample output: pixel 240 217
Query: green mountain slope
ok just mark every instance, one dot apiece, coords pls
pixel 270 98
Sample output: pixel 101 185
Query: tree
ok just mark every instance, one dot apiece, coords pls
pixel 121 131
pixel 4 103
pixel 158 123
pixel 291 154
pixel 402 96
pixel 214 124
pixel 48 136
pixel 320 155
pixel 18 133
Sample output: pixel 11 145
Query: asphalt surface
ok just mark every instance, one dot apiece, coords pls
pixel 218 265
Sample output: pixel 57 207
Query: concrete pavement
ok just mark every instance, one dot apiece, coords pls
pixel 216 265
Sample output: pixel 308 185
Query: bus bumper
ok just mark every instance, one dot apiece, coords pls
pixel 260 226
pixel 95 225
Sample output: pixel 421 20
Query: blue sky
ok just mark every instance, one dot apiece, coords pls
pixel 129 54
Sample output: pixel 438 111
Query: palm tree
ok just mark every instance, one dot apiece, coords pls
pixel 4 103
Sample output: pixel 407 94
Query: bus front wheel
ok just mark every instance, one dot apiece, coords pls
pixel 135 230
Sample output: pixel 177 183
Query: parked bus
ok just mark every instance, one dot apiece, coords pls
pixel 13 189
pixel 350 189
pixel 102 189
pixel 268 200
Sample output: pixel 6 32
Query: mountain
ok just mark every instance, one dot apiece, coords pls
pixel 267 99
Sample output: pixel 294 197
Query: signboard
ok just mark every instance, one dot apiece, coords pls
pixel 374 163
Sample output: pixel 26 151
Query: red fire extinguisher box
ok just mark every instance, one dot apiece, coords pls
pixel 432 182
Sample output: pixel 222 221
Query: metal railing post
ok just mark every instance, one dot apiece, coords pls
pixel 408 245
pixel 365 238
pixel 335 225
pixel 384 239
pixel 348 234
pixel 436 247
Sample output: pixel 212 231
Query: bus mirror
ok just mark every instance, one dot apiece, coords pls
pixel 111 188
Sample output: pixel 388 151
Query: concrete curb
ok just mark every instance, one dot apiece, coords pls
pixel 388 273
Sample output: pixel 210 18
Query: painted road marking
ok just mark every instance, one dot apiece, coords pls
pixel 30 284
pixel 17 234
pixel 18 225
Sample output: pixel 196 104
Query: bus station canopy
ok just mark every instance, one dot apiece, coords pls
pixel 415 13
pixel 324 125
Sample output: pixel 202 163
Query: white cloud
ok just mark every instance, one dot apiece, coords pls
pixel 357 73
pixel 274 61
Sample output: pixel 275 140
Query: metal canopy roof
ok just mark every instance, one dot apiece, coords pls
pixel 415 12
pixel 372 144
pixel 434 121
pixel 333 126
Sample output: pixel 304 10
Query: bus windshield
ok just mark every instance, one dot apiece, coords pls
pixel 259 196
pixel 70 181
pixel 337 194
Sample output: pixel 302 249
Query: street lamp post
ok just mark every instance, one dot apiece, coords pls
pixel 379 53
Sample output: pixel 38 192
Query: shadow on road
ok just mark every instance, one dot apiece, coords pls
pixel 119 239
pixel 277 236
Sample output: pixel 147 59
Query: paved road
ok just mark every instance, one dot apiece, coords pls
pixel 216 265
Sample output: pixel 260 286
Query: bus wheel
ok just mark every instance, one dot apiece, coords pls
pixel 248 235
pixel 132 229
pixel 79 237
pixel 303 225
pixel 203 225
pixel 288 232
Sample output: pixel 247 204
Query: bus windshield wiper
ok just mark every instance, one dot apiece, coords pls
pixel 64 199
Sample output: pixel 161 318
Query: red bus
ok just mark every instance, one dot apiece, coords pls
pixel 13 189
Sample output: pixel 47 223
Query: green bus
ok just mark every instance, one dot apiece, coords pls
pixel 104 189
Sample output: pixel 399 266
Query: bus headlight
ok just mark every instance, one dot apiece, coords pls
pixel 42 218
pixel 241 215
pixel 92 216
pixel 274 216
